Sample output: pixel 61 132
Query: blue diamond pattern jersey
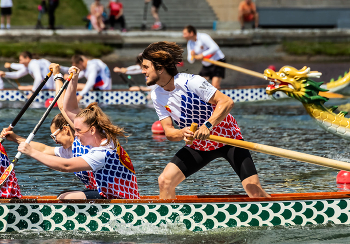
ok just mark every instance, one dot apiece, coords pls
pixel 189 103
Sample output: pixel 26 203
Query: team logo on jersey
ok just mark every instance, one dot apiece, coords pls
pixel 167 108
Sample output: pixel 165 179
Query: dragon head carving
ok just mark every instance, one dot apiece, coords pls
pixel 295 83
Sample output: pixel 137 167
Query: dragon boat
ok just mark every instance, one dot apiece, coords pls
pixel 195 213
pixel 297 84
pixel 124 96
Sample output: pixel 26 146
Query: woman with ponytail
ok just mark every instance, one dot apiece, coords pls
pixel 109 164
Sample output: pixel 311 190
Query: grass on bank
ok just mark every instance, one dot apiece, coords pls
pixel 64 50
pixel 68 13
pixel 317 48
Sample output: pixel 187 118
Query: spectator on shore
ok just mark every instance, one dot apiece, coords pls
pixel 6 10
pixel 154 10
pixel 42 9
pixel 201 45
pixel 53 4
pixel 116 14
pixel 247 13
pixel 96 11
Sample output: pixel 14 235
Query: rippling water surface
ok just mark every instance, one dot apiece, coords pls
pixel 282 124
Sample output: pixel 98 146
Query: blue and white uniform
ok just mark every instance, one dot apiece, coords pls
pixel 189 103
pixel 112 174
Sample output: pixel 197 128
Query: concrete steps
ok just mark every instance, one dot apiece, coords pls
pixel 180 13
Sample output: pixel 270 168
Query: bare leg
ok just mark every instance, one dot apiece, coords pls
pixel 2 22
pixel 155 14
pixel 168 180
pixel 241 20
pixel 216 82
pixel 8 19
pixel 253 188
pixel 256 17
pixel 72 195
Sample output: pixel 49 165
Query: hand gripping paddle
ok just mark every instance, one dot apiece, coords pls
pixel 9 169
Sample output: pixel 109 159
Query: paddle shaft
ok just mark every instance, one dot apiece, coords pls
pixel 28 103
pixel 259 75
pixel 14 86
pixel 331 163
pixel 41 121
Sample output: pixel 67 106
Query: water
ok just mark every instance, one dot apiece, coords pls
pixel 282 123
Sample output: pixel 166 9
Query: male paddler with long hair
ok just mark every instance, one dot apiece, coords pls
pixel 186 99
pixel 112 168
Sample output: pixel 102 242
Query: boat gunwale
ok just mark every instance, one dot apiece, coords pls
pixel 184 199
pixel 112 90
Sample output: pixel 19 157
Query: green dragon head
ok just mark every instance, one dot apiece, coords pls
pixel 295 83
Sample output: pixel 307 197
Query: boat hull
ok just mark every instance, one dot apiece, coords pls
pixel 195 213
pixel 243 94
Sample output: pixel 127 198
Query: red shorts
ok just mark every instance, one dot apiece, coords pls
pixel 248 17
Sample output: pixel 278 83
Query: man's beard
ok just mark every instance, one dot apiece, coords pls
pixel 152 82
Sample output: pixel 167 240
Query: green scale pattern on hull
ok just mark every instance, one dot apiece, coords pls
pixel 193 216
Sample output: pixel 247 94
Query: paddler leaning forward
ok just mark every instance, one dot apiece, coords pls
pixel 187 99
pixel 93 128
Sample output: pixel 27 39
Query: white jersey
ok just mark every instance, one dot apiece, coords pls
pixel 6 4
pixel 204 45
pixel 38 69
pixel 64 153
pixel 97 75
pixel 133 70
pixel 189 103
pixel 1 84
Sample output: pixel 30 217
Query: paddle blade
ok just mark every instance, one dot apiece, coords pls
pixel 331 95
pixel 8 181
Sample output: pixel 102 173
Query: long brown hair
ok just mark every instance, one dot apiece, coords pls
pixel 164 54
pixel 59 121
pixel 94 116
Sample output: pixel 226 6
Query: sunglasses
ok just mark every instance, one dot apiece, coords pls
pixel 53 135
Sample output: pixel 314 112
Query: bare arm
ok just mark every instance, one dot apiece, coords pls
pixel 70 102
pixel 173 134
pixel 59 84
pixel 11 136
pixel 53 162
pixel 224 104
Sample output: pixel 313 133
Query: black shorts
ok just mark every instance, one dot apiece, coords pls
pixel 190 161
pixel 156 3
pixel 89 194
pixel 213 70
pixel 6 11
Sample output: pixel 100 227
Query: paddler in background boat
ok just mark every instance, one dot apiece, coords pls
pixel 201 45
pixel 186 99
pixel 135 70
pixel 95 71
pixel 37 68
pixel 111 166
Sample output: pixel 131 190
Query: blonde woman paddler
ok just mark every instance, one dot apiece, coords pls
pixel 110 164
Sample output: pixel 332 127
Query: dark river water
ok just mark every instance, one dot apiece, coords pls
pixel 282 123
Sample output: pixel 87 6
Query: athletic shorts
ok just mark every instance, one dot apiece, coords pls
pixel 156 3
pixel 213 70
pixel 190 160
pixel 6 11
pixel 90 194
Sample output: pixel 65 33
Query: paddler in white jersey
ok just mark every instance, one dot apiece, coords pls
pixel 96 73
pixel 37 68
pixel 201 45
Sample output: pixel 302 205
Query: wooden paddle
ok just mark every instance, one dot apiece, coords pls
pixel 261 76
pixel 303 157
pixel 27 104
pixel 9 169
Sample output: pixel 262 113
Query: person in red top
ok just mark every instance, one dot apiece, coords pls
pixel 116 14
pixel 247 13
